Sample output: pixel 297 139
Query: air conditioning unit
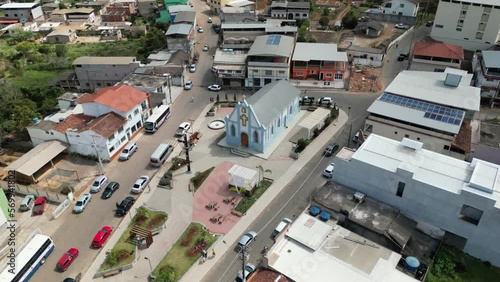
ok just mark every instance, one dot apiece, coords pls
pixel 360 197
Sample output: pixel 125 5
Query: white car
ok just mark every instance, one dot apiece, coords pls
pixel 183 128
pixel 98 183
pixel 328 172
pixel 200 29
pixel 401 26
pixel 82 203
pixel 209 20
pixel 214 87
pixel 205 48
pixel 188 85
pixel 325 100
pixel 192 68
pixel 140 184
pixel 249 269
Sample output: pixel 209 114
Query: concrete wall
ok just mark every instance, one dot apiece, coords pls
pixel 365 59
pixel 427 65
pixel 98 76
pixel 39 136
pixel 390 18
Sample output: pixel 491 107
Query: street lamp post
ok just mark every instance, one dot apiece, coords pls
pixel 186 149
pixel 151 276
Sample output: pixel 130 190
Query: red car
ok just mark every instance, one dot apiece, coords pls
pixel 67 259
pixel 39 205
pixel 101 236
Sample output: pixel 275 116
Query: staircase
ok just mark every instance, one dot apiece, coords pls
pixel 240 153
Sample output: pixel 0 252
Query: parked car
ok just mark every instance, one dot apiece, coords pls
pixel 328 172
pixel 246 240
pixel 249 269
pixel 123 208
pixel 140 184
pixel 183 128
pixel 429 24
pixel 27 203
pixel 200 29
pixel 67 259
pixel 216 28
pixel 209 20
pixel 39 205
pixel 98 183
pixel 101 236
pixel 325 100
pixel 192 68
pixel 188 85
pixel 281 226
pixel 307 99
pixel 401 26
pixel 402 57
pixel 205 48
pixel 214 87
pixel 82 203
pixel 128 151
pixel 110 189
pixel 332 148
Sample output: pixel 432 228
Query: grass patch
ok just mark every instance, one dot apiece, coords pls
pixel 177 163
pixel 357 10
pixel 451 264
pixel 123 252
pixel 177 260
pixel 200 177
pixel 31 78
pixel 247 202
pixel 122 48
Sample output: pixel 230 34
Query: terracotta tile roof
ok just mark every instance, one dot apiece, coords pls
pixel 105 125
pixel 438 49
pixel 462 140
pixel 266 276
pixel 122 98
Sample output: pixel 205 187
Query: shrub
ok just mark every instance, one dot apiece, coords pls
pixel 67 189
pixel 315 132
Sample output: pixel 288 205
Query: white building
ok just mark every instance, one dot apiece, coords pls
pixel 402 7
pixel 22 12
pixel 486 67
pixel 430 107
pixel 365 56
pixel 472 24
pixel 459 197
pixel 229 66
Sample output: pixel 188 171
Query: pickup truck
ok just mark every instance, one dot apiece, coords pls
pixel 39 205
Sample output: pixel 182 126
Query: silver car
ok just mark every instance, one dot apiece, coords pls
pixel 140 184
pixel 128 151
pixel 98 183
pixel 246 240
pixel 82 203
pixel 27 203
pixel 188 85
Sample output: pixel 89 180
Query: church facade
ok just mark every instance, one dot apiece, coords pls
pixel 257 120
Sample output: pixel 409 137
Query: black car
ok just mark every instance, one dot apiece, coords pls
pixel 110 189
pixel 332 148
pixel 402 57
pixel 124 206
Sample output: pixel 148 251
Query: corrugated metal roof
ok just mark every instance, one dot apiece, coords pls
pixel 312 120
pixel 87 60
pixel 318 52
pixel 185 16
pixel 37 157
pixel 240 3
pixel 179 29
pixel 179 8
pixel 234 57
pixel 242 177
pixel 243 25
pixel 272 45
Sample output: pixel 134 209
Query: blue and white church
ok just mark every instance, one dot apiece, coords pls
pixel 257 120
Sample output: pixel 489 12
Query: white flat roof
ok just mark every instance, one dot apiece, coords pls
pixel 336 257
pixel 309 231
pixel 230 57
pixel 18 5
pixel 429 86
pixel 318 52
pixel 437 170
pixel 312 120
pixel 78 109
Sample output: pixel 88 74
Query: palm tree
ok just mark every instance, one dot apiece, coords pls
pixel 262 171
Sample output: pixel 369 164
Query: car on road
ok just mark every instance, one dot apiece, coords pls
pixel 281 226
pixel 429 24
pixel 101 236
pixel 216 28
pixel 110 189
pixel 67 259
pixel 325 100
pixel 183 128
pixel 332 148
pixel 39 205
pixel 209 20
pixel 140 184
pixel 328 172
pixel 188 85
pixel 200 29
pixel 82 203
pixel 192 68
pixel 246 240
pixel 128 151
pixel 402 57
pixel 214 87
pixel 27 203
pixel 99 182
pixel 307 99
pixel 123 208
pixel 205 48
pixel 401 26
pixel 249 269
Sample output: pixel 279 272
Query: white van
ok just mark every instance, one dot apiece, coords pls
pixel 161 154
pixel 281 226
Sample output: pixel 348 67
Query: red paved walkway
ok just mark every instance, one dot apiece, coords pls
pixel 213 191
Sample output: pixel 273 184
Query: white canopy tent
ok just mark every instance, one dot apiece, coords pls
pixel 242 177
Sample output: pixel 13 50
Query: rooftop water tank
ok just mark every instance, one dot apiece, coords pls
pixel 412 264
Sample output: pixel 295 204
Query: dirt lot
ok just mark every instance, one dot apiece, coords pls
pixel 388 34
pixel 366 80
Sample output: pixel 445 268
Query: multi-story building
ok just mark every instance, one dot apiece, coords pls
pixel 402 7
pixel 22 12
pixel 486 67
pixel 180 37
pixel 97 72
pixel 460 198
pixel 237 15
pixel 116 12
pixel 230 67
pixel 429 107
pixel 436 56
pixel 81 15
pixel 472 24
pixel 269 59
pixel 319 60
pixel 284 9
pixel 173 10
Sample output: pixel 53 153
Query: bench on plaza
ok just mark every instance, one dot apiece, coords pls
pixel 111 273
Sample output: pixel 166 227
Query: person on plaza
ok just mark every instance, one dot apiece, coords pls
pixel 213 252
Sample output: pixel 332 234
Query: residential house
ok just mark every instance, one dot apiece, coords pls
pixel 173 10
pixel 243 4
pixel 147 7
pixel 114 16
pixel 78 15
pixel 269 59
pixel 185 17
pixel 47 27
pixel 436 56
pixel 257 120
pixel 59 36
pixel 48 8
pixel 217 5
pixel 230 67
pixel 67 106
pixel 402 7
pixel 472 24
pixel 21 12
pixel 14 28
pixel 98 6
pixel 486 68
pixel 111 34
pixel 447 195
pixel 430 107
pixel 370 29
pixel 365 56
pixel 237 15
pixel 321 61
pixel 97 72
pixel 180 37
pixel 118 12
pixel 284 9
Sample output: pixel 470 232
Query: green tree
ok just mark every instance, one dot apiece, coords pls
pixel 25 48
pixel 326 11
pixel 324 21
pixel 154 39
pixel 45 49
pixel 22 112
pixel 18 35
pixel 61 5
pixel 61 50
pixel 167 274
pixel 349 20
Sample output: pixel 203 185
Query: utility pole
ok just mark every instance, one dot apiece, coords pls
pixel 350 128
pixel 169 83
pixel 186 149
pixel 94 144
pixel 243 258
pixel 348 84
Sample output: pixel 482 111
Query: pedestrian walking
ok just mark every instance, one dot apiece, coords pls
pixel 192 99
pixel 213 252
pixel 204 253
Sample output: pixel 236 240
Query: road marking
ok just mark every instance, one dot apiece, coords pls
pixel 149 139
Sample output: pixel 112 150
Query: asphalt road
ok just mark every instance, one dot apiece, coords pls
pixel 77 231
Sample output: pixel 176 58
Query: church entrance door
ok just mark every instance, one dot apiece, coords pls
pixel 244 139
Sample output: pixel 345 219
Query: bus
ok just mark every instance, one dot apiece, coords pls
pixel 160 114
pixel 31 257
